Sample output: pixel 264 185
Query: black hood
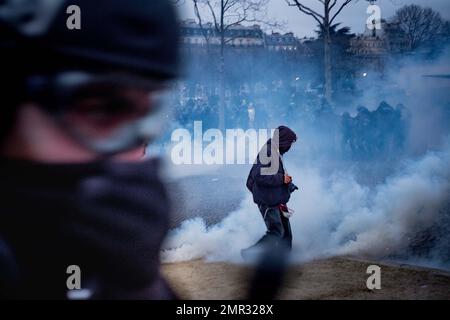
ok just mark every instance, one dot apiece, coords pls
pixel 285 138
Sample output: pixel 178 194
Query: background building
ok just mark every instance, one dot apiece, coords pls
pixel 372 47
pixel 193 34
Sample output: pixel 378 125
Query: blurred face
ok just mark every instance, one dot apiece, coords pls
pixel 285 147
pixel 94 114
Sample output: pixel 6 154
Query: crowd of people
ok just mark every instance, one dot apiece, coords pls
pixel 366 135
pixel 374 134
pixel 245 106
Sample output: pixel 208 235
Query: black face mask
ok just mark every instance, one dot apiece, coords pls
pixel 284 148
pixel 108 218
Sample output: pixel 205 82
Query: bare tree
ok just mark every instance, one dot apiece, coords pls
pixel 226 14
pixel 331 9
pixel 206 32
pixel 419 24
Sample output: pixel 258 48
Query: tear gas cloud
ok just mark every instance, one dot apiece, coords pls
pixel 392 205
pixel 334 215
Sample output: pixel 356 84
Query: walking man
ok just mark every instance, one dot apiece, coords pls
pixel 271 186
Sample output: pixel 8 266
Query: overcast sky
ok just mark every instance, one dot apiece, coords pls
pixel 354 15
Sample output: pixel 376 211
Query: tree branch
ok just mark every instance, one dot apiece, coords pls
pixel 306 10
pixel 346 2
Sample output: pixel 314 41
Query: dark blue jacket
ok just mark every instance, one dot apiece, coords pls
pixel 268 190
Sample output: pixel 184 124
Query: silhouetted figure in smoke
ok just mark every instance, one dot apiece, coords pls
pixel 271 186
pixel 347 132
pixel 363 133
pixel 385 127
pixel 242 114
pixel 251 115
pixel 373 135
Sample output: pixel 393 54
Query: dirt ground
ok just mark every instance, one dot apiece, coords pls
pixel 333 278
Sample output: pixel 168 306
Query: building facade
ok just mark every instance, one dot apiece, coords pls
pixel 374 44
pixel 284 42
pixel 193 34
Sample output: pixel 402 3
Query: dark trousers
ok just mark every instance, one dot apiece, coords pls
pixel 278 227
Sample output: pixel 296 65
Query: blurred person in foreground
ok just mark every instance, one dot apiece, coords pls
pixel 271 186
pixel 78 108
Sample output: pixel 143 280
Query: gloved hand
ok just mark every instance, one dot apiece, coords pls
pixel 292 187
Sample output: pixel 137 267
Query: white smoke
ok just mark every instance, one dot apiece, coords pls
pixel 334 215
pixel 221 242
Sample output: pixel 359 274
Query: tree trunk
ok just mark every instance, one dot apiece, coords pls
pixel 222 86
pixel 222 70
pixel 327 62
